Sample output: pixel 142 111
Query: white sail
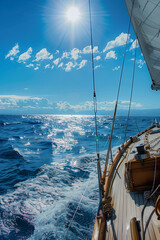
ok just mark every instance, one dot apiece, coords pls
pixel 146 22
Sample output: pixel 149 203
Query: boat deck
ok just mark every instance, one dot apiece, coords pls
pixel 128 205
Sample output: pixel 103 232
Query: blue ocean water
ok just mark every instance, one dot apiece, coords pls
pixel 47 162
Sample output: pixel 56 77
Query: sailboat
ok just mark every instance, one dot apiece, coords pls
pixel 130 184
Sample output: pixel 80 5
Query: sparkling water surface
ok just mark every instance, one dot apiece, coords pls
pixel 47 162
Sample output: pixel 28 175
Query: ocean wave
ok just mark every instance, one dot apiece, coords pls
pixel 46 163
pixel 21 228
pixel 11 153
pixel 32 122
pixel 9 123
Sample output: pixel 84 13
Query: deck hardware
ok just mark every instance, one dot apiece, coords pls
pixel 119 149
pixel 142 153
pixel 131 139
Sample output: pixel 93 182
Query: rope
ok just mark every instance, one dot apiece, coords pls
pixel 149 219
pixel 95 109
pixel 107 207
pixel 134 66
pixel 120 80
pixel 76 210
pixel 148 196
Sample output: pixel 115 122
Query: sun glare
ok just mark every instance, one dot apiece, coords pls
pixel 73 14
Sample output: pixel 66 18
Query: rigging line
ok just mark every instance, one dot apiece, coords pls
pixel 93 78
pixel 134 66
pixel 76 210
pixel 95 112
pixel 107 157
pixel 156 35
pixel 149 14
pixel 145 5
pixel 137 125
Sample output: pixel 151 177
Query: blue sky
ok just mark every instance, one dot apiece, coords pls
pixel 45 60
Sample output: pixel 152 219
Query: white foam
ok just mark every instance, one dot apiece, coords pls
pixel 44 199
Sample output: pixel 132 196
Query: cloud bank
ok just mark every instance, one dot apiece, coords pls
pixel 75 59
pixel 21 103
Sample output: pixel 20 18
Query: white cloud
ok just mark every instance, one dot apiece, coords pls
pixel 124 101
pixel 69 66
pixel 88 49
pixel 97 58
pixel 98 66
pixel 25 89
pixel 119 41
pixel 64 106
pixel 124 104
pixel 13 52
pixel 57 52
pixel 30 65
pixel 65 55
pixel 43 54
pixel 75 53
pixel 56 61
pixel 136 105
pixel 36 68
pixel 111 54
pixel 25 56
pixel 140 63
pixel 106 105
pixel 47 66
pixel 134 45
pixel 116 68
pixel 82 64
pixel 60 65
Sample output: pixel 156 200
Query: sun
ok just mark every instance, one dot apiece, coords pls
pixel 73 14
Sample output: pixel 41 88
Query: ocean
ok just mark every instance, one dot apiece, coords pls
pixel 47 166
